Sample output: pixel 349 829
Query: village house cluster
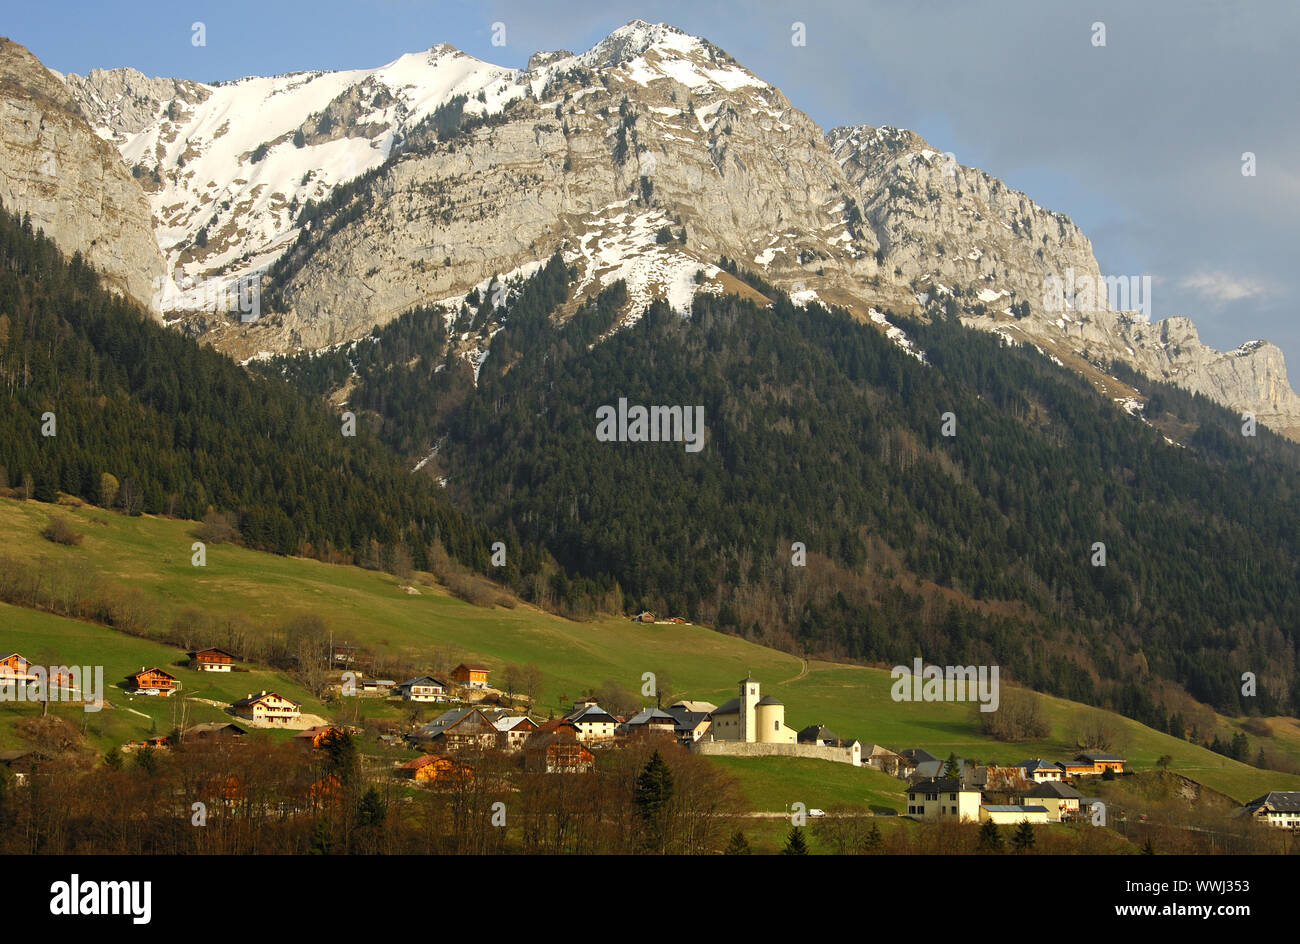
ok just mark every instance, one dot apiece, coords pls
pixel 750 724
pixel 1033 791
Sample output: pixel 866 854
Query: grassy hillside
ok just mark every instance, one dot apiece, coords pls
pixel 373 609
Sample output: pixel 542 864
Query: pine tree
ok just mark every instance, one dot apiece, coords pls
pixel 990 838
pixel 874 841
pixel 795 844
pixel 1023 840
pixel 371 810
pixel 952 768
pixel 738 845
pixel 321 839
pixel 653 799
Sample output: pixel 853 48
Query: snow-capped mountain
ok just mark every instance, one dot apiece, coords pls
pixel 645 158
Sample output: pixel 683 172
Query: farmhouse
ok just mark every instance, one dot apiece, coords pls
pixel 470 676
pixel 593 722
pixel 513 731
pixel 457 729
pixel 882 758
pixel 153 682
pixel 1040 771
pixel 650 721
pixel 424 688
pixel 943 799
pixel 555 749
pixel 211 660
pixel 268 708
pixel 1279 809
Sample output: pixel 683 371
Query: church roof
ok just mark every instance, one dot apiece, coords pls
pixel 731 707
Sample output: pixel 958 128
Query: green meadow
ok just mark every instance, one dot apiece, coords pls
pixel 376 610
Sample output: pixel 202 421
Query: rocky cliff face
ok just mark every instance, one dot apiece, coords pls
pixel 73 184
pixel 645 158
pixel 1027 272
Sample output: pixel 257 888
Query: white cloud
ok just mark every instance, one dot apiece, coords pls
pixel 1224 287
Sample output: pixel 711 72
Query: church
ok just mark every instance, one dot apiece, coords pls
pixel 751 718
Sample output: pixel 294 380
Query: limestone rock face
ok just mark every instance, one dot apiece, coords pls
pixel 597 167
pixel 941 225
pixel 73 184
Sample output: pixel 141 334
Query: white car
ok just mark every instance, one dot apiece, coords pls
pixel 816 812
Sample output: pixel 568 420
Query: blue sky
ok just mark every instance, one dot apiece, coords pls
pixel 1139 141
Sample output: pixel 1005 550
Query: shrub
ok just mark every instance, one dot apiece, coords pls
pixel 60 532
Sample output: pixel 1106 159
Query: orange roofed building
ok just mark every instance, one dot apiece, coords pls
pixel 14 666
pixel 470 676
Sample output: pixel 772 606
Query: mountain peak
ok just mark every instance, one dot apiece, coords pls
pixel 636 38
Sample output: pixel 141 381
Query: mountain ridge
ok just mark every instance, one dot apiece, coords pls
pixel 701 146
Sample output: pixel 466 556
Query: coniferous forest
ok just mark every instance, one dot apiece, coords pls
pixel 146 420
pixel 821 431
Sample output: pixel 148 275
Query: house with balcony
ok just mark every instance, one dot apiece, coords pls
pixel 268 708
pixel 424 688
pixel 211 660
pixel 153 681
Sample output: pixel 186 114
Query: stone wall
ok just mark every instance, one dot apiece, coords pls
pixel 838 755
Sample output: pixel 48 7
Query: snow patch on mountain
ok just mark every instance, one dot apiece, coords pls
pixel 898 336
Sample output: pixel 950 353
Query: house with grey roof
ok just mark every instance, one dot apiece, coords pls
pixel 1277 808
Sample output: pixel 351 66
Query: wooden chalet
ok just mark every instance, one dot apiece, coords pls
pixel 211 660
pixel 554 748
pixel 153 682
pixel 458 729
pixel 513 731
pixel 14 667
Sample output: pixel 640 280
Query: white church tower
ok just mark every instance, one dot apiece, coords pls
pixel 749 709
